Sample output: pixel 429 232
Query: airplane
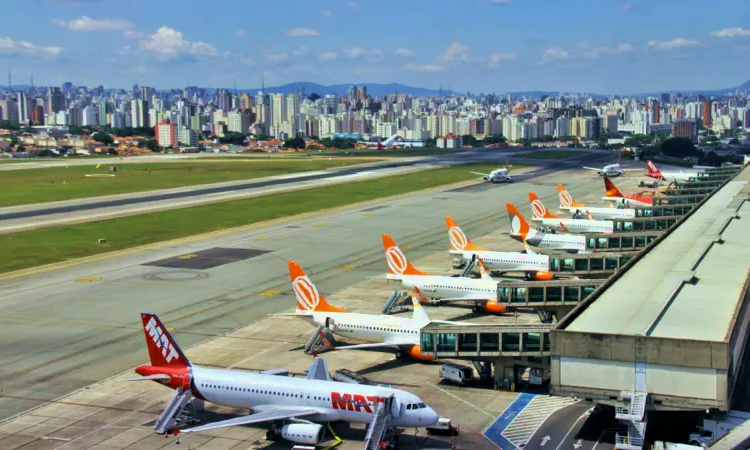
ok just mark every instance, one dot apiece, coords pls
pixel 611 170
pixel 381 145
pixel 482 292
pixel 628 201
pixel 497 175
pixel 521 231
pixel 594 213
pixel 380 331
pixel 535 266
pixel 542 215
pixel 295 407
pixel 653 172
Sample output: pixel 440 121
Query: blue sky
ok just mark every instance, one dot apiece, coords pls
pixel 601 46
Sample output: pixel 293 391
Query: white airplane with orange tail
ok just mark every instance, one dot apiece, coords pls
pixel 536 267
pixel 542 215
pixel 594 213
pixel 654 172
pixel 521 231
pixel 482 292
pixel 295 407
pixel 628 201
pixel 379 330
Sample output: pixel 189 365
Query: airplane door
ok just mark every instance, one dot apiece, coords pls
pixel 395 407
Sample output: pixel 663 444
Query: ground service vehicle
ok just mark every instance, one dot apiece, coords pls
pixel 443 427
pixel 456 373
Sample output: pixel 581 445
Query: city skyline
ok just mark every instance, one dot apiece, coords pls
pixel 500 46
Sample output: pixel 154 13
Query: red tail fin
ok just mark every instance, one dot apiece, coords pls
pixel 307 294
pixel 518 224
pixel 538 210
pixel 397 262
pixel 457 238
pixel 611 189
pixel 653 171
pixel 162 348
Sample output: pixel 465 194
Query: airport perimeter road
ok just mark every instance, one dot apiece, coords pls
pixel 28 217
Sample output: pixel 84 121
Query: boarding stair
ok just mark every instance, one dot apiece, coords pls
pixel 470 269
pixel 174 413
pixel 634 415
pixel 378 427
pixel 320 339
pixel 397 302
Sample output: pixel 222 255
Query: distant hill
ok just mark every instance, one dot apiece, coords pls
pixel 374 89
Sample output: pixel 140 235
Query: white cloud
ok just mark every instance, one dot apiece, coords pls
pixel 602 50
pixel 9 46
pixel 167 43
pixel 88 24
pixel 404 52
pixel 355 52
pixel 326 13
pixel 731 32
pixel 327 56
pixel 496 58
pixel 134 34
pixel 674 43
pixel 456 51
pixel 277 57
pixel 302 32
pixel 554 53
pixel 302 51
pixel 425 68
pixel 240 34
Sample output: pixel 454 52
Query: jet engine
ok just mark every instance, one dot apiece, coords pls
pixel 303 433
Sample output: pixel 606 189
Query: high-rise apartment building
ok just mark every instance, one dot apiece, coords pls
pixel 239 121
pixel 685 128
pixel 224 100
pixel 278 109
pixel 166 134
pixel 55 100
pixel 706 114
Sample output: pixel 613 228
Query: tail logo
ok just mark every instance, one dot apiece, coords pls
pixel 515 223
pixel 396 260
pixel 538 208
pixel 652 167
pixel 457 238
pixel 565 199
pixel 306 292
pixel 161 340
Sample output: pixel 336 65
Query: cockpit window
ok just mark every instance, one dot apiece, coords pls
pixel 408 406
pixel 422 405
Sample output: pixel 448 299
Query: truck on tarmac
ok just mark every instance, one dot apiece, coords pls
pixel 456 373
pixel 715 426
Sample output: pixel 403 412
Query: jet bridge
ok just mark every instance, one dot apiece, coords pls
pixel 485 342
pixel 588 264
pixel 626 241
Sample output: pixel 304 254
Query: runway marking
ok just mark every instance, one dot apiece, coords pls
pixel 586 414
pixel 270 293
pixel 486 219
pixel 462 401
pixel 347 267
pixel 88 279
pixel 188 256
pixel 319 225
pixel 366 214
pixel 405 247
pixel 261 239
pixel 528 421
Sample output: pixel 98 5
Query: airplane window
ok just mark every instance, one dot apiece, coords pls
pixel 422 405
pixel 408 406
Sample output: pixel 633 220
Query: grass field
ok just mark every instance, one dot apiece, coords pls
pixel 45 246
pixel 20 187
pixel 391 153
pixel 551 154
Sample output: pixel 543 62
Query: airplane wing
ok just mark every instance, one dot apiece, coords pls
pixel 592 168
pixel 267 416
pixel 387 343
pixel 482 174
pixel 627 170
pixel 160 376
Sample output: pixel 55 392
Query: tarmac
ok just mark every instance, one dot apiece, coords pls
pixel 66 328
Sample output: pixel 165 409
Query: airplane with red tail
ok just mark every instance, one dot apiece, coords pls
pixel 295 407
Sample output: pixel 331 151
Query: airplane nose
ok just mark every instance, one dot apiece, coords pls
pixel 431 417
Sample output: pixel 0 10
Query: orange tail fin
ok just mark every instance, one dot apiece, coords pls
pixel 397 262
pixel 538 210
pixel 162 348
pixel 308 296
pixel 611 189
pixel 457 238
pixel 518 224
pixel 566 200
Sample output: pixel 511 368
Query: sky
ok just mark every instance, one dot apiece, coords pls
pixel 598 46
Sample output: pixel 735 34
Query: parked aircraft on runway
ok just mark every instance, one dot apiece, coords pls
pixel 497 175
pixel 535 266
pixel 294 406
pixel 557 223
pixel 594 213
pixel 611 170
pixel 653 172
pixel 629 201
pixel 381 330
pixel 521 231
pixel 481 292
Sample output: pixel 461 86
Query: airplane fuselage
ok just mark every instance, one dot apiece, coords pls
pixel 546 241
pixel 630 202
pixel 578 225
pixel 507 261
pixel 451 287
pixel 366 327
pixel 673 176
pixel 333 400
pixel 601 213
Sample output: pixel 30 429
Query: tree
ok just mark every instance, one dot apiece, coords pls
pixel 262 136
pixel 233 137
pixel 152 145
pixel 678 147
pixel 638 140
pixel 430 143
pixel 494 139
pixel 296 143
pixel 313 147
pixel 112 151
pixel 312 97
pixel 712 159
pixel 326 142
pixel 103 137
pixel 468 139
pixel 75 129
